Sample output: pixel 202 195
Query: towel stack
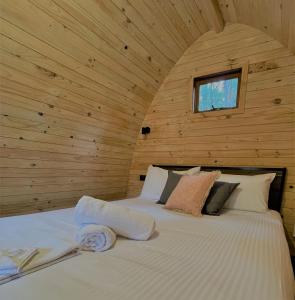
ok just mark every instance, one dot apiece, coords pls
pixel 100 221
pixel 17 262
pixel 13 260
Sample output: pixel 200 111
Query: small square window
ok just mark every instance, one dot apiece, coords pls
pixel 215 92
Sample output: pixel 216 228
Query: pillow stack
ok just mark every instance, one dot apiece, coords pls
pixel 198 193
pixel 156 179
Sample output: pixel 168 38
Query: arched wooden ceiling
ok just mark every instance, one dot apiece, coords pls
pixel 77 77
pixel 132 44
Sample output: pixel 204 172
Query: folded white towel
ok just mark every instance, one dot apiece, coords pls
pixel 124 221
pixel 48 252
pixel 13 260
pixel 94 237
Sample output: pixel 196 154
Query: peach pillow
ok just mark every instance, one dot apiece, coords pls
pixel 191 192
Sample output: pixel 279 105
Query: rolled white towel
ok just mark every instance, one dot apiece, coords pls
pixel 124 221
pixel 94 237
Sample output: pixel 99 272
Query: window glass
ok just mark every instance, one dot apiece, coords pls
pixel 218 94
pixel 217 91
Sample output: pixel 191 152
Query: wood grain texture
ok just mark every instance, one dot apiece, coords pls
pixel 77 77
pixel 264 135
pixel 76 80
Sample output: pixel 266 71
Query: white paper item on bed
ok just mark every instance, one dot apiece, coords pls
pixel 124 221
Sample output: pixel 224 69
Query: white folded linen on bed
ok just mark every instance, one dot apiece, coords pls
pixel 13 260
pixel 94 237
pixel 52 251
pixel 124 221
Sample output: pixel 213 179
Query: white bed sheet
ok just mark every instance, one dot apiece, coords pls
pixel 238 255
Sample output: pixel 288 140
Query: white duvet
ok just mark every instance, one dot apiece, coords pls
pixel 238 255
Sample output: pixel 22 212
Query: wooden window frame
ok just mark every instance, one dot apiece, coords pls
pixel 220 73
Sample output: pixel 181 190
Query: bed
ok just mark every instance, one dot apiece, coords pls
pixel 238 255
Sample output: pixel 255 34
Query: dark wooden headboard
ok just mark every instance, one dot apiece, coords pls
pixel 276 188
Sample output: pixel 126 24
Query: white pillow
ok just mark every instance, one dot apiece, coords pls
pixel 156 179
pixel 192 171
pixel 252 192
pixel 154 183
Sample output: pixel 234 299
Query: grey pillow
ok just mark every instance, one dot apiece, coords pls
pixel 218 195
pixel 171 183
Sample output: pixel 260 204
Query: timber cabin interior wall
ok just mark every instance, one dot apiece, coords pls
pixel 261 136
pixel 77 78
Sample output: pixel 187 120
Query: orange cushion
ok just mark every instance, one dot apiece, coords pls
pixel 191 192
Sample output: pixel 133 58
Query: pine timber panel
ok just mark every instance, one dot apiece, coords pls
pixel 264 135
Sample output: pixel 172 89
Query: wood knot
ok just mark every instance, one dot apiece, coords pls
pixel 277 101
pixel 46 71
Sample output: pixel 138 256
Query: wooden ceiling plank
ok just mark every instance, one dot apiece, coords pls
pixel 53 33
pixel 166 23
pixel 153 22
pixel 264 15
pixel 87 75
pixel 169 8
pixel 228 10
pixel 187 18
pixel 118 23
pixel 196 15
pixel 81 84
pixel 113 30
pixel 212 14
pixel 133 14
pixel 98 50
pixel 98 28
pixel 288 24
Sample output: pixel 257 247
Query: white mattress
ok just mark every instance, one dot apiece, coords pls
pixel 238 255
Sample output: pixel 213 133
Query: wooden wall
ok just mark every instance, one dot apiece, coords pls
pixel 262 136
pixel 70 112
pixel 76 80
pixel 77 77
